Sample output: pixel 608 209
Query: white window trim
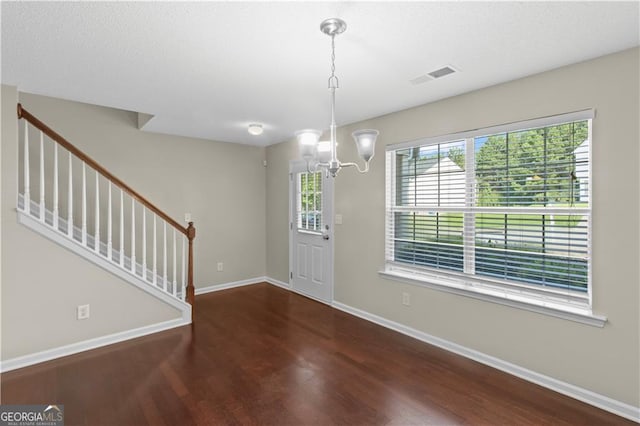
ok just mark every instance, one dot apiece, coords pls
pixel 569 305
pixel 587 114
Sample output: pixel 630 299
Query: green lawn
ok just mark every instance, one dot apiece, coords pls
pixel 491 221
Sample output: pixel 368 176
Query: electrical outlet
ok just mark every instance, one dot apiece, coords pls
pixel 187 217
pixel 220 266
pixel 406 299
pixel 82 312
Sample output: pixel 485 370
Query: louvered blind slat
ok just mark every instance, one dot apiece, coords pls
pixel 513 206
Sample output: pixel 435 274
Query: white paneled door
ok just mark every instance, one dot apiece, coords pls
pixel 311 232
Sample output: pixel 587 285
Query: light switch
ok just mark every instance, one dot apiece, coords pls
pixel 338 219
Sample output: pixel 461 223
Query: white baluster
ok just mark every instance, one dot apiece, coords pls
pixel 109 225
pixel 121 228
pixel 27 191
pixel 42 214
pixel 164 259
pixel 56 211
pixel 133 235
pixel 144 243
pixel 96 237
pixel 70 200
pixel 155 253
pixel 183 270
pixel 84 204
pixel 175 283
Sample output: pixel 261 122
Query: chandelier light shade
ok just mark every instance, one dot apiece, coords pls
pixel 324 151
pixel 323 155
pixel 366 143
pixel 308 142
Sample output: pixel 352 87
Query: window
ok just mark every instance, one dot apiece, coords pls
pixel 503 211
pixel 309 201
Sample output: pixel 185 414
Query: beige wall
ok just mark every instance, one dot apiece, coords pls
pixel 39 295
pixel 602 360
pixel 221 185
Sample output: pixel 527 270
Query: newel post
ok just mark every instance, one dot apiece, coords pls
pixel 191 234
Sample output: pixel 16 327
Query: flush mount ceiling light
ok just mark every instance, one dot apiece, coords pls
pixel 255 129
pixel 324 154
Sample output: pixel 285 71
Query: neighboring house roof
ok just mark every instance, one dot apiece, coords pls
pixel 438 182
pixel 446 164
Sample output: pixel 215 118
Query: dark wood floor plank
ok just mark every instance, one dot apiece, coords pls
pixel 263 355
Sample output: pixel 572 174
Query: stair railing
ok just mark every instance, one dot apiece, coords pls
pixel 113 247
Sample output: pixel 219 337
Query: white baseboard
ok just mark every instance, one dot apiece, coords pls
pixel 74 348
pixel 277 283
pixel 616 407
pixel 250 281
pixel 49 354
pixel 225 286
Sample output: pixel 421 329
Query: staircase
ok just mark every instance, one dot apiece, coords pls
pixel 86 209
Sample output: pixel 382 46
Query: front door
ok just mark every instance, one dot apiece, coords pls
pixel 311 232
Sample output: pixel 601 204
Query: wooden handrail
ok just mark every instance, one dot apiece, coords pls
pixel 189 232
pixel 23 113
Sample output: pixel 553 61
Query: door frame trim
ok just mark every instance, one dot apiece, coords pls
pixel 293 165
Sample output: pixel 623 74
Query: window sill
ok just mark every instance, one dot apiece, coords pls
pixel 577 314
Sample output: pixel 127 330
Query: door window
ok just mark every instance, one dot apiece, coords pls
pixel 309 201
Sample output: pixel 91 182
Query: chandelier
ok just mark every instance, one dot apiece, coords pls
pixel 323 154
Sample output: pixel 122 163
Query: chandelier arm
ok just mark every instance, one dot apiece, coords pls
pixel 357 166
pixel 315 167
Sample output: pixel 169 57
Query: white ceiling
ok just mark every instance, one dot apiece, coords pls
pixel 208 69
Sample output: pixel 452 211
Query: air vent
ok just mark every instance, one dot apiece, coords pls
pixel 442 72
pixel 421 79
pixel 446 70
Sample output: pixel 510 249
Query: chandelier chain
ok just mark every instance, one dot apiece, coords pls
pixel 333 79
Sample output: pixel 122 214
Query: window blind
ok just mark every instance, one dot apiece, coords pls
pixel 309 201
pixel 508 208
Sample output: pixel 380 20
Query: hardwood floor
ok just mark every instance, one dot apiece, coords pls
pixel 262 355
